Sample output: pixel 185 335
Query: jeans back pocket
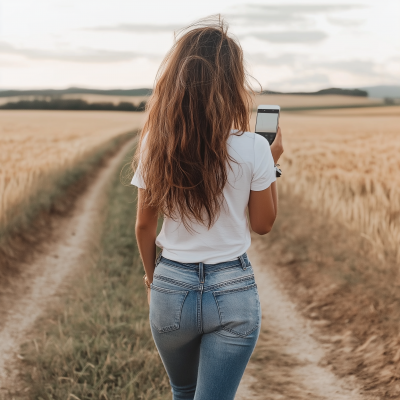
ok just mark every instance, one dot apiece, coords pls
pixel 166 308
pixel 239 309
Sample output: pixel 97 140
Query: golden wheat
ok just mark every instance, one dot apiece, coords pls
pixel 298 100
pixel 38 147
pixel 346 164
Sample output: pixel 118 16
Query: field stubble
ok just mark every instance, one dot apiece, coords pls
pixel 341 165
pixel 346 165
pixel 328 100
pixel 94 341
pixel 39 147
pixel 336 242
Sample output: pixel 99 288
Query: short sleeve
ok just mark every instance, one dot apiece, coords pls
pixel 264 171
pixel 137 179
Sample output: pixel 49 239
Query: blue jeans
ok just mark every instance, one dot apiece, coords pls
pixel 205 320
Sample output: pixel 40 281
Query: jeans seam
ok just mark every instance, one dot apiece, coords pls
pixel 238 265
pixel 175 282
pixel 158 260
pixel 175 266
pixel 242 289
pixel 219 311
pixel 230 282
pixel 199 316
pixel 163 290
pixel 243 263
pixel 241 334
pixel 222 268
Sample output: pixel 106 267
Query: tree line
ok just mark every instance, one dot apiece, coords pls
pixel 72 104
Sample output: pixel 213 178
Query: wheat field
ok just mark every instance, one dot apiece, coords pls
pixel 346 164
pixel 38 147
pixel 298 100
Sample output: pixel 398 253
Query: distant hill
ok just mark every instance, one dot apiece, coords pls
pixel 343 92
pixel 73 90
pixel 383 91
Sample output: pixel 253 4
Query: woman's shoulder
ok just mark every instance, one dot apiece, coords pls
pixel 250 137
pixel 241 145
pixel 241 137
pixel 248 145
pixel 247 139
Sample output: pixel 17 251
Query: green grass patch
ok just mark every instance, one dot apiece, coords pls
pixel 96 342
pixel 54 186
pixel 28 222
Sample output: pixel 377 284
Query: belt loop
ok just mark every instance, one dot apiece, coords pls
pixel 158 258
pixel 244 266
pixel 201 272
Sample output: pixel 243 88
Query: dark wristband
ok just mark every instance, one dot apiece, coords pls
pixel 278 171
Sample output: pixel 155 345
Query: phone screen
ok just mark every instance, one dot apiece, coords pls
pixel 267 123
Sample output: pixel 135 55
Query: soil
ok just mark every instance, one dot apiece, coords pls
pixel 347 293
pixel 71 246
pixel 289 361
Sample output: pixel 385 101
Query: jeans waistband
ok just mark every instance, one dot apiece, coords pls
pixel 242 261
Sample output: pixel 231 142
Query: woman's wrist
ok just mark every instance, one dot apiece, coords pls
pixel 146 281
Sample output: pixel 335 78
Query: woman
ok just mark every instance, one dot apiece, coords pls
pixel 201 169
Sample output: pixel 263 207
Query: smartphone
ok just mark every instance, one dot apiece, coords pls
pixel 267 122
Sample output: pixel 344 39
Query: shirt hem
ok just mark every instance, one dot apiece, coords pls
pixel 213 260
pixel 259 188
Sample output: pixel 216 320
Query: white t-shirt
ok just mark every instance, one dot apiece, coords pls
pixel 229 237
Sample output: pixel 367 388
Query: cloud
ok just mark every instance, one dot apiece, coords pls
pixel 306 82
pixel 262 58
pixel 136 28
pixel 288 13
pixel 347 23
pixel 301 62
pixel 288 36
pixel 79 55
pixel 353 66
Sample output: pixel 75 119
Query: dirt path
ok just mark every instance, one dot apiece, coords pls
pixel 71 247
pixel 289 360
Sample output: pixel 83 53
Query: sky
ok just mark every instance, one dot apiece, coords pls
pixel 288 45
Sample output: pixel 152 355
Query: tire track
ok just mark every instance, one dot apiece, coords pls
pixel 289 361
pixel 71 247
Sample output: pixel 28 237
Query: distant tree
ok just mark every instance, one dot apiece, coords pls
pixel 389 101
pixel 74 90
pixel 71 104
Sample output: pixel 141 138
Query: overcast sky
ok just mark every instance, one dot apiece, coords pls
pixel 288 45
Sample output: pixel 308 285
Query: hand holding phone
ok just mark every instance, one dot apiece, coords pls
pixel 277 146
pixel 268 121
pixel 267 125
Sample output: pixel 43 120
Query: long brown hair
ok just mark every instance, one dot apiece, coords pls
pixel 201 93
